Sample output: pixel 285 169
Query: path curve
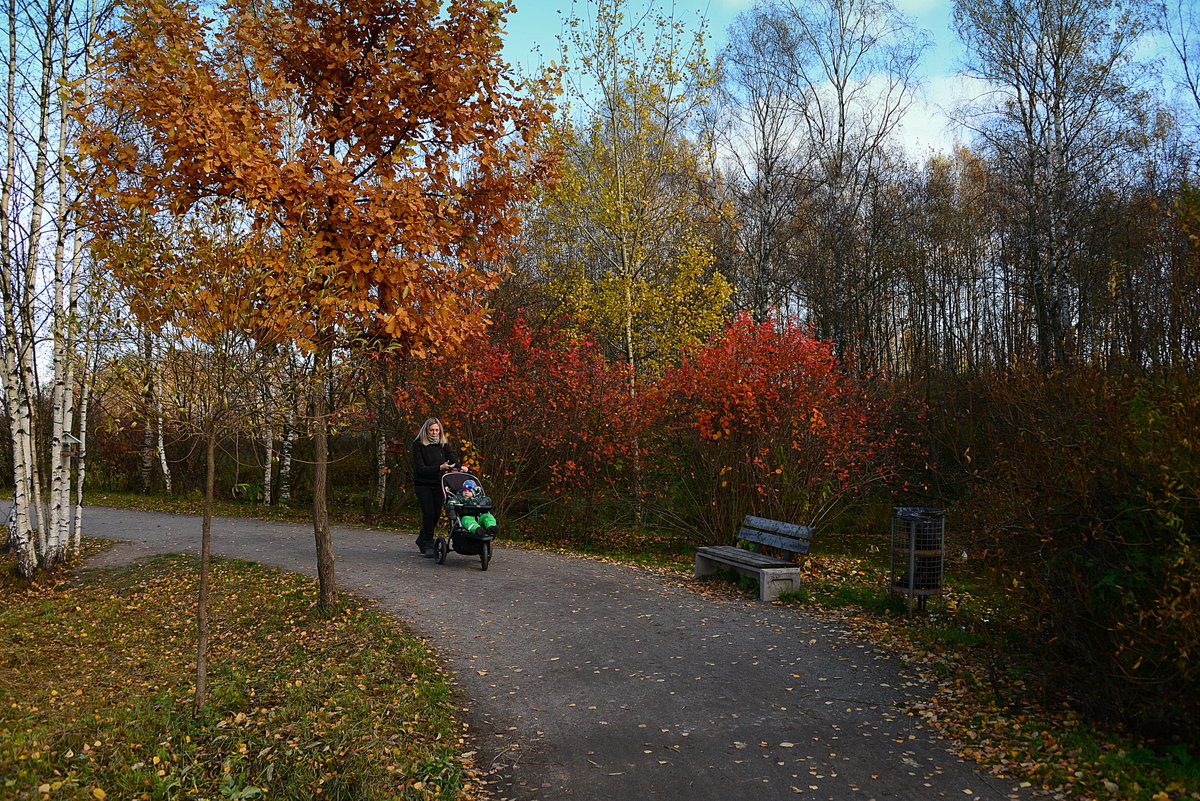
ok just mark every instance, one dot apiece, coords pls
pixel 588 681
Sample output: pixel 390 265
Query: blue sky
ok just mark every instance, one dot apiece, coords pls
pixel 532 32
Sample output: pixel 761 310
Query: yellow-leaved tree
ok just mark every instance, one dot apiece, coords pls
pixel 622 238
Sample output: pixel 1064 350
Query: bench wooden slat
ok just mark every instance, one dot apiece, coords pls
pixel 775 541
pixel 731 553
pixel 777 527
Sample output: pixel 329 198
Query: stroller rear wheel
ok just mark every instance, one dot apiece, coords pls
pixel 485 556
pixel 440 549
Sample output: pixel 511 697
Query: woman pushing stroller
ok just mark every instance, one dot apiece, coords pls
pixel 432 458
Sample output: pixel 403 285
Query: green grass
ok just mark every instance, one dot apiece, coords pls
pixel 97 679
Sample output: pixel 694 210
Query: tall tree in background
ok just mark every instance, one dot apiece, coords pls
pixel 846 71
pixel 1181 23
pixel 1061 114
pixel 624 228
pixel 375 152
pixel 760 137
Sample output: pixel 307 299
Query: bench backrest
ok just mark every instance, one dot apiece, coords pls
pixel 772 533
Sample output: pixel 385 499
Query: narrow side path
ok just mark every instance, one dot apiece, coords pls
pixel 593 681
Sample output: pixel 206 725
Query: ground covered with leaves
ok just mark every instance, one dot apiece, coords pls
pixel 986 696
pixel 97 674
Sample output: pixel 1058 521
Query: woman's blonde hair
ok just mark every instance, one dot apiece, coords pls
pixel 423 432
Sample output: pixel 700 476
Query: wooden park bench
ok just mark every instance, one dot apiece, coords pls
pixel 775 576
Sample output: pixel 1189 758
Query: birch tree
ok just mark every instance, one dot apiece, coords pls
pixel 624 229
pixel 1061 114
pixel 846 73
pixel 760 140
pixel 43 274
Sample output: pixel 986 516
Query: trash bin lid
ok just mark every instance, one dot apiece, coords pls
pixel 917 513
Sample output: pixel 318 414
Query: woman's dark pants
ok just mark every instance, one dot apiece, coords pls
pixel 430 499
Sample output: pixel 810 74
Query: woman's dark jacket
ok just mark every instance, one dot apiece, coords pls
pixel 428 461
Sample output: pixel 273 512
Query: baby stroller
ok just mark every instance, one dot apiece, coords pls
pixel 478 543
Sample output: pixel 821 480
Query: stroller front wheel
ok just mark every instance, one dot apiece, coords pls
pixel 485 556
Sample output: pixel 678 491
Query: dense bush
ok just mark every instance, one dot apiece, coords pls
pixel 762 419
pixel 1089 509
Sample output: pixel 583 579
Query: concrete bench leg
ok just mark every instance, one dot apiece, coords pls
pixel 773 583
pixel 705 566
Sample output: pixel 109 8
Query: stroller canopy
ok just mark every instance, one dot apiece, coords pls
pixel 453 482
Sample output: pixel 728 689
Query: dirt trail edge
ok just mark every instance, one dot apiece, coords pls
pixel 591 681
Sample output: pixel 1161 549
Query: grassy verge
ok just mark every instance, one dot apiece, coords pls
pixel 97 677
pixel 194 504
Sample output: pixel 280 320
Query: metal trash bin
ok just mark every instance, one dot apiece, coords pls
pixel 918 553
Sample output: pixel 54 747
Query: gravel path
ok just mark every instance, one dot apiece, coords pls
pixel 591 681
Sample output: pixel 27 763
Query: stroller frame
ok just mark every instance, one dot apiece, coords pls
pixel 457 538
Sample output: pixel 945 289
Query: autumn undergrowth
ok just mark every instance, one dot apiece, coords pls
pixel 986 694
pixel 97 674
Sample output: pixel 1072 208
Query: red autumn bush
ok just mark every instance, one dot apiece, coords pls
pixel 763 420
pixel 539 414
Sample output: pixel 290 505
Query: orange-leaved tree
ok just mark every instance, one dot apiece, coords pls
pixel 374 153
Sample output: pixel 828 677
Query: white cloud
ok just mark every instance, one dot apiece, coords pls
pixel 927 126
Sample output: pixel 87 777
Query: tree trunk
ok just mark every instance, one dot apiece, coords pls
pixel 320 508
pixel 268 404
pixel 147 413
pixel 210 463
pixel 381 472
pixel 62 334
pixel 160 437
pixel 81 466
pixel 285 455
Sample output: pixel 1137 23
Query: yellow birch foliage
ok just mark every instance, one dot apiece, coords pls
pixel 624 231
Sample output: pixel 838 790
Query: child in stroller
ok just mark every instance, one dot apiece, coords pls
pixel 472 526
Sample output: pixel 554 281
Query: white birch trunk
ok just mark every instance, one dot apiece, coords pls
pixel 285 455
pixel 86 373
pixel 159 424
pixel 90 361
pixel 62 330
pixel 20 532
pixel 147 468
pixel 268 408
pixel 381 473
